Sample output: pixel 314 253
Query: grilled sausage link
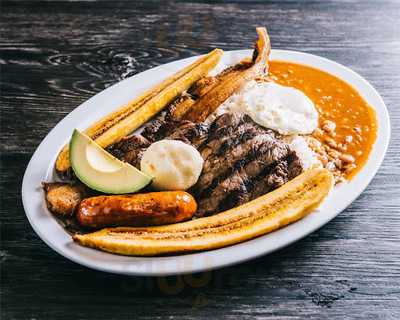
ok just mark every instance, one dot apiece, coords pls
pixel 149 209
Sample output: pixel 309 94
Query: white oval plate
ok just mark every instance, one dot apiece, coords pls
pixel 40 168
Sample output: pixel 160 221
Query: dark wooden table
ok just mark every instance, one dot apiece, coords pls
pixel 55 55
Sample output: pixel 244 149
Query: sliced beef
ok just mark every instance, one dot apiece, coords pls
pixel 242 162
pixel 283 171
pixel 156 130
pixel 227 145
pixel 130 149
pixel 167 121
pixel 191 133
pixel 162 124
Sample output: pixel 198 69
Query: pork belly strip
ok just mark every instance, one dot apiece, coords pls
pixel 234 79
pixel 207 94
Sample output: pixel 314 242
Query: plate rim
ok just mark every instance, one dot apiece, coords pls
pixel 225 255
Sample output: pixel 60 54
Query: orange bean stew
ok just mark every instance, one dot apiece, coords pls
pixel 347 124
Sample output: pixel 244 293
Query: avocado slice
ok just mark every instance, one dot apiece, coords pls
pixel 101 171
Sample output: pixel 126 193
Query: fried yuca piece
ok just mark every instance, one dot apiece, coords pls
pixel 128 118
pixel 283 206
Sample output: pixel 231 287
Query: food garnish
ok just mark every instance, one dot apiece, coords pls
pixel 272 211
pixel 101 171
pixel 173 164
pixel 148 209
pixel 118 124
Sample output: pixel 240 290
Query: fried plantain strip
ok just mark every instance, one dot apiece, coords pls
pixel 283 206
pixel 118 124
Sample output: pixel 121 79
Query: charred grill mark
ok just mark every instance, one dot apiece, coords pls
pixel 232 198
pixel 232 187
pixel 264 149
pixel 222 156
pixel 235 140
pixel 229 170
pixel 190 133
pixel 259 181
pixel 232 130
pixel 130 149
pixel 255 186
pixel 225 124
pixel 226 150
pixel 243 194
pixel 275 176
pixel 214 166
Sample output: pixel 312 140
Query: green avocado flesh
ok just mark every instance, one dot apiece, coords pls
pixel 101 171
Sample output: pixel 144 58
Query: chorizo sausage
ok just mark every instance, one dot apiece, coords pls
pixel 148 209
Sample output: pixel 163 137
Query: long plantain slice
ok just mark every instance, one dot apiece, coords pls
pixel 128 118
pixel 285 205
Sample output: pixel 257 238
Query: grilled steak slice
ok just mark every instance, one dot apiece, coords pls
pixel 231 138
pixel 191 133
pixel 284 171
pixel 130 149
pixel 161 125
pixel 242 162
pixel 166 122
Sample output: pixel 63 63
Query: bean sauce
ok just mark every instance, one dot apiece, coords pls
pixel 347 124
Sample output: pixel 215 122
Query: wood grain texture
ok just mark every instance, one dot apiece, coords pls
pixel 55 55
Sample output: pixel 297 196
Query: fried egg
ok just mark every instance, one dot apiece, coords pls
pixel 284 109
